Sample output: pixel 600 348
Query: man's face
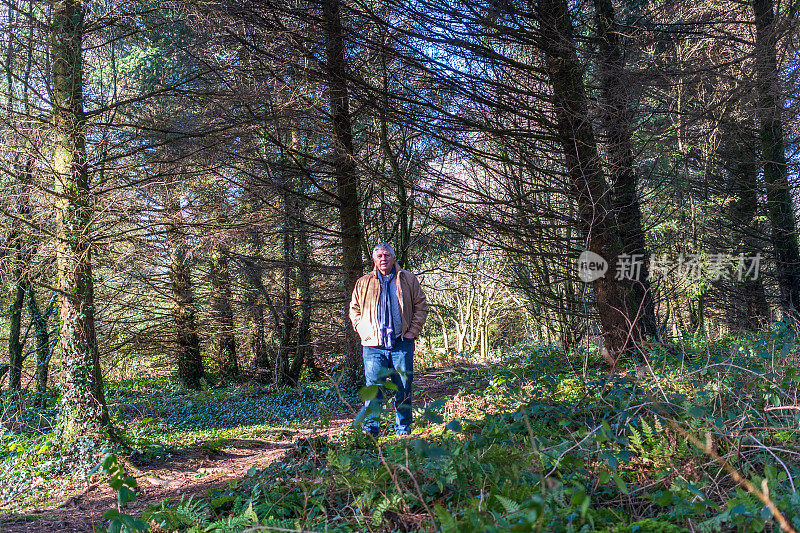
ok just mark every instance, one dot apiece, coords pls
pixel 384 260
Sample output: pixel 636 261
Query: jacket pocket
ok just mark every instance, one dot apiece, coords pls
pixel 364 329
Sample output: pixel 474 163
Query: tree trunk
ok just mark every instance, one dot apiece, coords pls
pixel 258 342
pixel 779 199
pixel 615 118
pixel 461 333
pixel 588 186
pixel 445 338
pixel 344 167
pixel 405 207
pixel 15 346
pixel 252 276
pixel 43 349
pixel 304 354
pixel 16 238
pixel 286 346
pixel 83 412
pixel 188 355
pixel 223 312
pixel 747 298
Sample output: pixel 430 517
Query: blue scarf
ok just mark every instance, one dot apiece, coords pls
pixel 384 311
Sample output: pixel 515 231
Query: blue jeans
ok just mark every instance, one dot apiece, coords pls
pixel 397 363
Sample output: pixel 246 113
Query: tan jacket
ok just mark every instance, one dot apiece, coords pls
pixel 364 303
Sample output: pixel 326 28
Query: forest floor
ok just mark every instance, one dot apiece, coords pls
pixel 693 436
pixel 194 470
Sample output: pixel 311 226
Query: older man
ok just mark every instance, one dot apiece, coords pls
pixel 388 309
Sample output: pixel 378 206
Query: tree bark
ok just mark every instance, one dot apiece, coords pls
pixel 405 206
pixel 344 167
pixel 253 272
pixel 44 350
pixel 747 298
pixel 223 312
pixel 15 346
pixel 83 411
pixel 15 239
pixel 188 356
pixel 615 119
pixel 286 347
pixel 779 198
pixel 588 186
pixel 304 355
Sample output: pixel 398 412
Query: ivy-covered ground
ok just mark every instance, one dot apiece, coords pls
pixel 175 441
pixel 701 437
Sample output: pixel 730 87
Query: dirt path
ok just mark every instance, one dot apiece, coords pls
pixel 194 472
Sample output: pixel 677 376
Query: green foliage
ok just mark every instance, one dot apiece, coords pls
pixel 648 525
pixel 125 485
pixel 652 445
pixel 218 407
pixel 540 448
pixel 525 445
pixel 173 515
pixel 157 419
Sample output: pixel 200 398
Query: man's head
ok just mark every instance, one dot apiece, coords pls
pixel 383 257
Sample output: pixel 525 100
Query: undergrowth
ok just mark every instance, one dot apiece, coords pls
pixel 156 419
pixel 544 448
pixel 699 436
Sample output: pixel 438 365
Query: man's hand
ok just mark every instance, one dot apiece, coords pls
pixel 408 336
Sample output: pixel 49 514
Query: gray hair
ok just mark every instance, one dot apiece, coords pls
pixel 382 246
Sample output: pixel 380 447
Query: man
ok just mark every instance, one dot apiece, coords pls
pixel 388 309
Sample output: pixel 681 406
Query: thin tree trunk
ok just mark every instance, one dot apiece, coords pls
pixel 747 298
pixel 304 355
pixel 223 312
pixel 344 166
pixel 305 348
pixel 461 332
pixel 445 339
pixel 286 346
pixel 405 211
pixel 591 192
pixel 252 276
pixel 615 119
pixel 44 350
pixel 83 412
pixel 302 256
pixel 258 343
pixel 15 346
pixel 188 356
pixel 779 198
pixel 22 253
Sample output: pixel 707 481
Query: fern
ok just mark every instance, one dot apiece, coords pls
pixel 449 524
pixel 383 505
pixel 714 524
pixel 190 512
pixel 234 524
pixel 646 429
pixel 250 514
pixel 636 440
pixel 510 505
pixel 650 442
